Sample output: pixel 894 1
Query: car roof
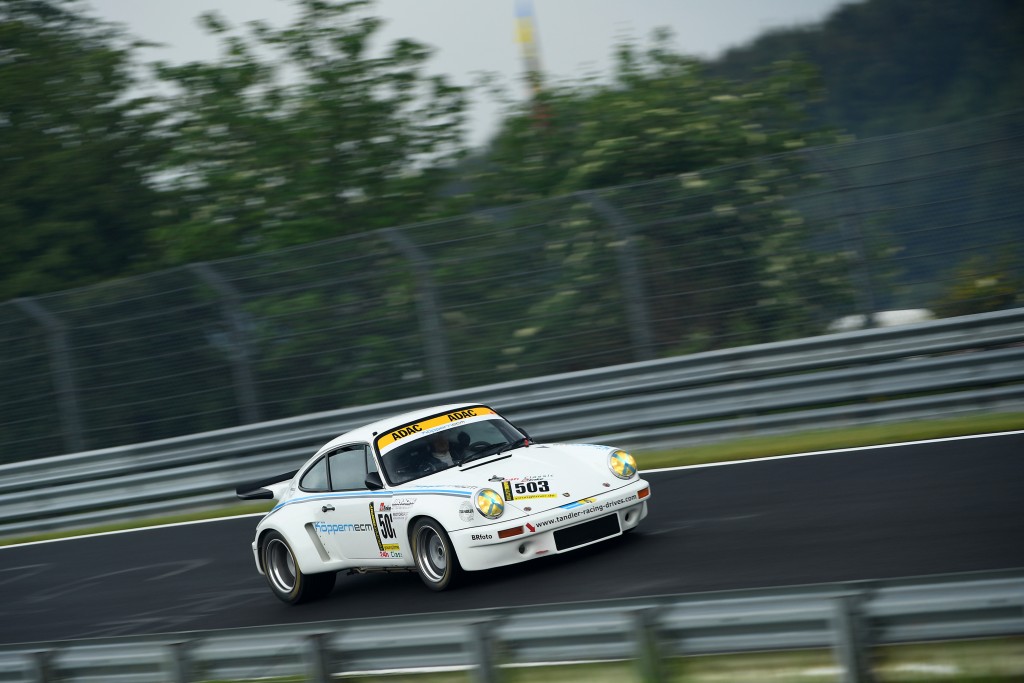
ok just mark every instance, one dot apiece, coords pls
pixel 368 431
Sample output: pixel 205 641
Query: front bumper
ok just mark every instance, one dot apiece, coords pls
pixel 482 547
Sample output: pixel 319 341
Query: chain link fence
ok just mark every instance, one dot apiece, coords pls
pixel 769 249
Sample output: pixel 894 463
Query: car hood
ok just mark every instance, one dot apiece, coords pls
pixel 534 478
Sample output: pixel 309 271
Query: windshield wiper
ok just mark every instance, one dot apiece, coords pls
pixel 496 448
pixel 490 450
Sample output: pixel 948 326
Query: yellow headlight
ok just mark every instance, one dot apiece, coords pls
pixel 622 464
pixel 489 503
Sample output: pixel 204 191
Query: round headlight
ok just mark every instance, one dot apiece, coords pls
pixel 489 503
pixel 622 464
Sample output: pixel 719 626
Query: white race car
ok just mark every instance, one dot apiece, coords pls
pixel 438 491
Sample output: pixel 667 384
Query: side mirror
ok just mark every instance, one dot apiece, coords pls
pixel 373 481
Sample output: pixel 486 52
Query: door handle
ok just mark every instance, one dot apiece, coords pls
pixel 325 508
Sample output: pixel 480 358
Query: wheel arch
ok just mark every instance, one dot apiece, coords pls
pixel 309 558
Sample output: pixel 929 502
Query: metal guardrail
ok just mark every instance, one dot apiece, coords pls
pixel 848 618
pixel 956 366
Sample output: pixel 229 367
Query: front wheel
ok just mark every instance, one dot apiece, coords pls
pixel 435 557
pixel 288 582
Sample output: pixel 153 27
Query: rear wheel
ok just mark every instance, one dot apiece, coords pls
pixel 288 582
pixel 435 557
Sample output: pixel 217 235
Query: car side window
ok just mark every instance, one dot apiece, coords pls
pixel 315 478
pixel 348 467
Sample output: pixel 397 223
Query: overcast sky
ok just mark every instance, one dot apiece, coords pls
pixel 576 37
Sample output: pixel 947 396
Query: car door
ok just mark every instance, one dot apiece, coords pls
pixel 355 528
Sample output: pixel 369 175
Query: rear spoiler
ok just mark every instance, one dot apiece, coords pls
pixel 259 489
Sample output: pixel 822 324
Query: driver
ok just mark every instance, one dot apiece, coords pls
pixel 439 447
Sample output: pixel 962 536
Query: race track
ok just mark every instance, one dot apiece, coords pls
pixel 949 506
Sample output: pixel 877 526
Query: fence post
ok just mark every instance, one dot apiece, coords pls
pixel 435 343
pixel 851 641
pixel 63 373
pixel 238 344
pixel 637 317
pixel 853 236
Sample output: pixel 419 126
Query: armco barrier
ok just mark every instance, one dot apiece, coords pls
pixel 846 618
pixel 957 366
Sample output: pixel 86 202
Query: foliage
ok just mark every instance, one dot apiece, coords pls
pixel 981 284
pixel 896 65
pixel 74 201
pixel 302 133
pixel 663 117
pixel 661 114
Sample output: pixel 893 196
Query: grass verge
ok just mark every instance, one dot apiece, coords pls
pixel 739 449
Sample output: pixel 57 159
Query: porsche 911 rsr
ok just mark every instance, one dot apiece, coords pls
pixel 439 491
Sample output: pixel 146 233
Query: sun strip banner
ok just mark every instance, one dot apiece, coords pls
pixel 390 439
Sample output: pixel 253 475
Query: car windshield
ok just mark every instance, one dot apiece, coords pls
pixel 442 441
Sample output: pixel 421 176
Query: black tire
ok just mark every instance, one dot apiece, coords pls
pixel 436 561
pixel 286 580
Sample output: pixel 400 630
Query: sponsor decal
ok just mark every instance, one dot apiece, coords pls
pixel 531 527
pixel 324 528
pixel 496 478
pixel 402 502
pixel 384 530
pixel 579 503
pixel 447 486
pixel 527 489
pixel 390 555
pixel 575 511
pixel 389 440
pixel 483 537
pixel 466 511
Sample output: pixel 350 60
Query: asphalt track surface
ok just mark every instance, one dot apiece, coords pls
pixel 907 510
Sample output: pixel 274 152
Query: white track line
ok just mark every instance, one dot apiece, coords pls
pixel 661 469
pixel 831 452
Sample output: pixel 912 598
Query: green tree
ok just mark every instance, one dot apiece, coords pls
pixel 661 114
pixel 699 172
pixel 304 133
pixel 890 66
pixel 75 204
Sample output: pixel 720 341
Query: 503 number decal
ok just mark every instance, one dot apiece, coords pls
pixel 521 487
pixel 523 490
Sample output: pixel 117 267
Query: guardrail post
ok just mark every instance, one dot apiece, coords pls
pixel 851 644
pixel 648 647
pixel 41 667
pixel 318 659
pixel 180 662
pixel 484 652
